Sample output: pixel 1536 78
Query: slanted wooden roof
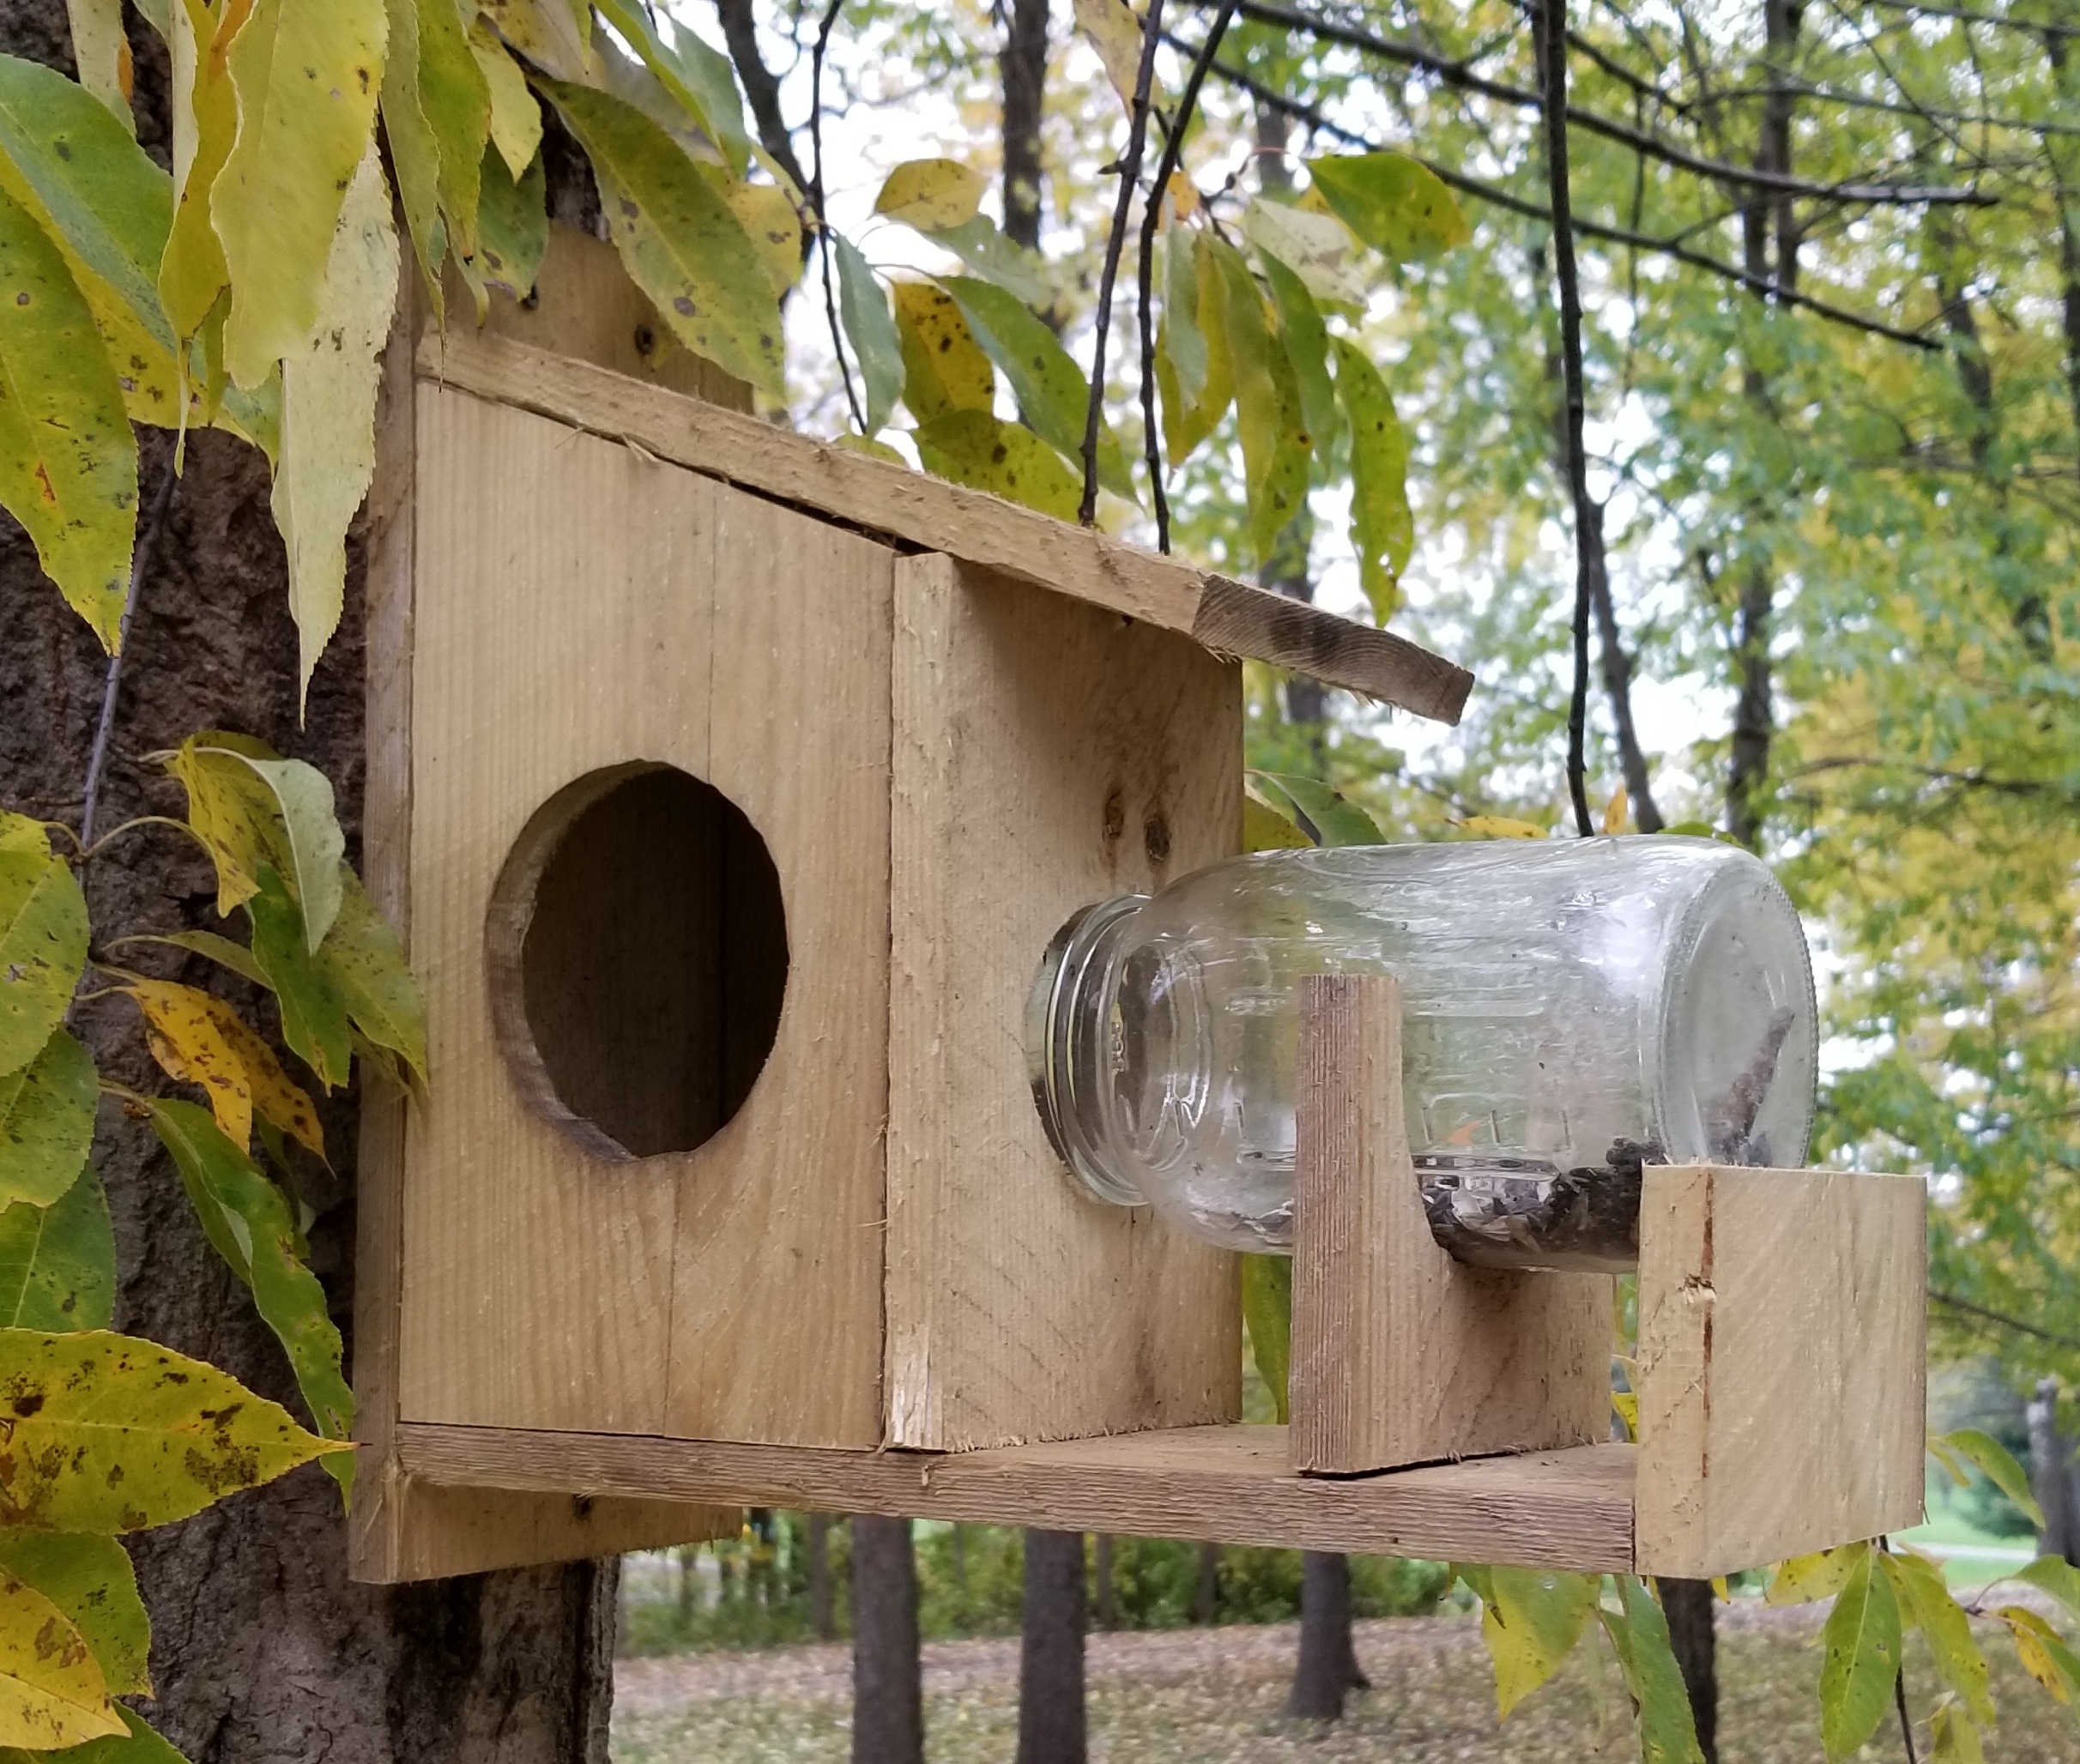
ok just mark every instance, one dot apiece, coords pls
pixel 922 513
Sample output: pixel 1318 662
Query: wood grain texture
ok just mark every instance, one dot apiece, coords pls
pixel 586 307
pixel 1781 1368
pixel 1237 619
pixel 933 514
pixel 580 606
pixel 1400 1354
pixel 1048 755
pixel 1568 1509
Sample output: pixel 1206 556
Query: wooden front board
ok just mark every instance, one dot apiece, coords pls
pixel 580 605
pixel 1782 1371
pixel 1048 754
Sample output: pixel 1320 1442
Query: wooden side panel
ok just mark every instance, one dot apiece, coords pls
pixel 1400 1354
pixel 1048 754
pixel 1570 1509
pixel 1782 1367
pixel 777 1313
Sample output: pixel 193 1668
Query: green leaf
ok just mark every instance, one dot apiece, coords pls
pixel 68 461
pixel 515 112
pixel 139 1744
pixel 1180 337
pixel 1276 446
pixel 682 242
pixel 221 949
pixel 977 243
pixel 1307 345
pixel 51 1690
pixel 544 31
pixel 1531 1622
pixel 931 193
pixel 770 222
pixel 455 100
pixel 329 458
pixel 688 71
pixel 106 1433
pixel 512 225
pixel 248 1221
pixel 972 447
pixel 1926 1603
pixel 306 77
pixel 1861 1661
pixel 1393 204
pixel 91 1581
pixel 22 832
pixel 2052 1574
pixel 1999 1467
pixel 1639 1637
pixel 1334 817
pixel 1314 249
pixel 1382 531
pixel 1805 1578
pixel 870 328
pixel 43 950
pixel 1266 829
pixel 1052 395
pixel 46 1121
pixel 313 1009
pixel 101 53
pixel 57 1263
pixel 1267 1315
pixel 250 807
pixel 1955 1739
pixel 1187 421
pixel 415 153
pixel 365 964
pixel 944 368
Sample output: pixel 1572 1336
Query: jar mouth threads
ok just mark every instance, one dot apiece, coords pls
pixel 1060 1057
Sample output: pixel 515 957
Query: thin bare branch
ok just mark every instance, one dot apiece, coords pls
pixel 816 204
pixel 112 685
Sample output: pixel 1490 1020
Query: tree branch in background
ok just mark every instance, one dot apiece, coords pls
pixel 1152 216
pixel 1023 66
pixel 2001 1320
pixel 816 204
pixel 1618 687
pixel 112 685
pixel 1130 177
pixel 1457 74
pixel 761 89
pixel 1504 199
pixel 1588 518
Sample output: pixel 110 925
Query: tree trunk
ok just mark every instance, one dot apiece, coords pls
pixel 1688 1608
pixel 1328 1667
pixel 1206 1592
pixel 887 1684
pixel 1024 68
pixel 1051 1728
pixel 1101 1571
pixel 2051 1473
pixel 823 1615
pixel 261 1649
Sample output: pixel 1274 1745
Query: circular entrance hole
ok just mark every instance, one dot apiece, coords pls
pixel 635 947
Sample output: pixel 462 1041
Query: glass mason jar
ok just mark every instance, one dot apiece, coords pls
pixel 1575 1009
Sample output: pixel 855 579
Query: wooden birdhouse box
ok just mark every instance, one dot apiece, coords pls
pixel 728 786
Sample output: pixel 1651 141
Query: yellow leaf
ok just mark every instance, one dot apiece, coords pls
pixel 1276 444
pixel 328 411
pixel 1266 830
pixel 516 114
pixel 2042 1651
pixel 106 1433
pixel 251 807
pixel 1183 197
pixel 1197 349
pixel 944 368
pixel 1805 1578
pixel 90 1579
pixel 43 949
pixel 1626 1404
pixel 306 78
pixel 1116 32
pixel 415 154
pixel 1957 1740
pixel 101 52
pixel 199 1039
pixel 1944 1625
pixel 1382 529
pixel 974 448
pixel 1617 811
pixel 192 273
pixel 1316 248
pixel 771 225
pixel 1498 826
pixel 544 31
pixel 51 1690
pixel 931 193
pixel 1535 1619
pixel 68 461
pixel 1721 1590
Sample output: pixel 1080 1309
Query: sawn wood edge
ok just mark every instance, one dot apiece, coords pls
pixel 1569 1509
pixel 880 497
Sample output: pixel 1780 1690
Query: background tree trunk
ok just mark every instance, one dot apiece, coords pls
pixel 1023 66
pixel 2051 1473
pixel 1051 1726
pixel 1328 1667
pixel 822 1614
pixel 1206 1589
pixel 1688 1605
pixel 887 1687
pixel 261 1649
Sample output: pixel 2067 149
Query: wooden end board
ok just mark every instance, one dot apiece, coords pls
pixel 1570 1509
pixel 929 514
pixel 1781 1366
pixel 1048 754
pixel 1401 1354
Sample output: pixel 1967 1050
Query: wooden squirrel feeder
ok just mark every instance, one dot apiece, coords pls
pixel 727 786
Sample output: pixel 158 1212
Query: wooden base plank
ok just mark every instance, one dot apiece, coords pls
pixel 1570 1509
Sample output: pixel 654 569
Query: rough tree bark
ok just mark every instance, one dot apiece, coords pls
pixel 1023 66
pixel 887 1687
pixel 261 1650
pixel 1051 1720
pixel 1327 1669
